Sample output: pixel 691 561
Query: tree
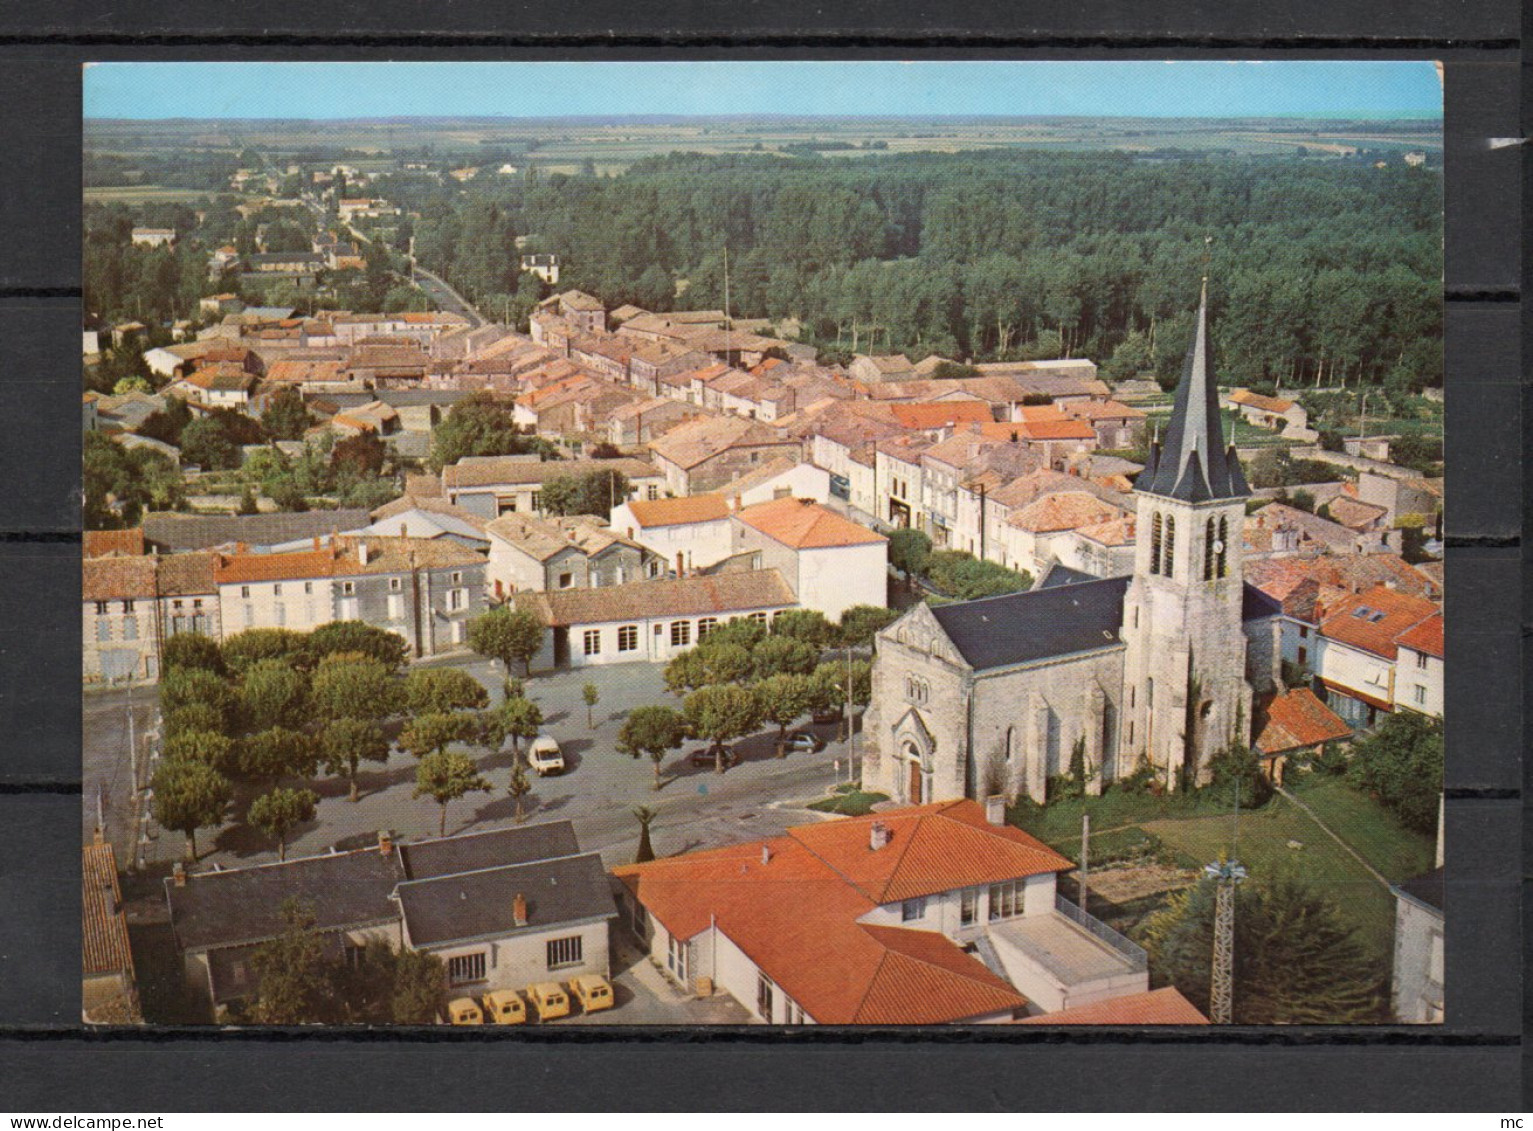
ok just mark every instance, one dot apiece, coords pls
pixel 592 695
pixel 595 492
pixel 286 416
pixel 507 634
pixel 192 650
pixel 783 699
pixel 189 795
pixel 247 503
pixel 479 425
pixel 1296 963
pixel 909 550
pixel 1401 763
pixel 720 714
pixel 205 444
pixel 446 777
pixel 431 733
pixel 353 687
pixel 192 717
pixel 277 752
pixel 807 625
pixel 515 719
pixel 345 744
pixel 646 817
pixel 280 812
pixel 207 747
pixel 439 690
pixel 245 649
pixel 181 687
pixel 417 991
pixel 778 654
pixel 861 623
pixel 273 694
pixel 295 977
pixel 388 648
pixel 653 730
pixel 519 787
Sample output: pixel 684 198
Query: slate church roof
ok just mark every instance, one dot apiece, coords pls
pixel 1194 465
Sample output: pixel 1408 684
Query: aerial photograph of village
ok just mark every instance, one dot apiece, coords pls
pixel 729 543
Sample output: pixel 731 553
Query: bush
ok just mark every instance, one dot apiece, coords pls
pixel 192 650
pixel 1142 781
pixel 1238 768
pixel 1401 763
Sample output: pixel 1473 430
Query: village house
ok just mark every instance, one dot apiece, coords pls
pixel 544 266
pixel 491 486
pixel 172 532
pixel 649 361
pixel 1402 495
pixel 651 621
pixel 688 534
pixel 1046 530
pixel 503 909
pixel 998 695
pixel 704 454
pixel 1357 658
pixel 638 422
pixel 153 237
pixel 387 363
pixel 830 562
pixel 221 385
pixel 133 602
pixel 1117 425
pixel 425 517
pixel 1416 984
pixel 1278 530
pixel 936 914
pixel 423 327
pixel 582 311
pixel 1277 413
pixel 782 478
pixel 1293 724
pixel 562 553
pixel 872 369
pixel 425 590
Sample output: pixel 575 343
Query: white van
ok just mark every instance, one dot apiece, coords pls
pixel 544 756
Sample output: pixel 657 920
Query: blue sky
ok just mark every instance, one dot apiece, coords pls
pixel 1152 89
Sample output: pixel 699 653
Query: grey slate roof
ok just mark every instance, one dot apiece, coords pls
pixel 244 905
pixel 1059 618
pixel 1019 627
pixel 1427 888
pixel 471 905
pixel 1194 464
pixel 471 852
pixel 1062 575
pixel 174 532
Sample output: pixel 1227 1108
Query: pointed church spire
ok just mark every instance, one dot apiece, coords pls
pixel 1194 464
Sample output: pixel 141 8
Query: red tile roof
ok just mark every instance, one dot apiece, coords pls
pixel 1425 637
pixel 109 543
pixel 805 525
pixel 1165 1006
pixel 105 942
pixel 1298 719
pixel 1372 620
pixel 942 414
pixel 788 901
pixel 679 512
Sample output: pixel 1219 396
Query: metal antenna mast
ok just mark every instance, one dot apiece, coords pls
pixel 1225 874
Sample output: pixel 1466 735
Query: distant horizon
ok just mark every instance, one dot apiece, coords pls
pixel 616 91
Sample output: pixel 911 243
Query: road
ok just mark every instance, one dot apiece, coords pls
pixel 106 767
pixel 444 296
pixel 695 807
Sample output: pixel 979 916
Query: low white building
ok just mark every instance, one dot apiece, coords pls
pixel 779 479
pixel 934 914
pixel 491 486
pixel 831 563
pixel 648 620
pixel 689 533
pixel 1416 985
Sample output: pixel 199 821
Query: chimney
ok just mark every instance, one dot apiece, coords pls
pixel 361 551
pixel 178 874
pixel 241 548
pixel 385 843
pixel 519 910
pixel 766 855
pixel 739 502
pixel 316 543
pixel 404 530
pixel 995 809
pixel 878 836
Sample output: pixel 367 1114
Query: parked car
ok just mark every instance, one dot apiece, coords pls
pixel 544 756
pixel 803 742
pixel 706 756
pixel 505 1007
pixel 464 1011
pixel 549 1000
pixel 592 991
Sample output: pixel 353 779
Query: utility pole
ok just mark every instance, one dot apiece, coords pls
pixel 1085 861
pixel 851 732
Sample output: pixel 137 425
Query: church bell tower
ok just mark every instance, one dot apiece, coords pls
pixel 1185 692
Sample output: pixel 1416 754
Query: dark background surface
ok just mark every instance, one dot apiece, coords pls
pixel 48 1063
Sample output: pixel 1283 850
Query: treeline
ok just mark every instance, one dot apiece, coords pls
pixel 1318 271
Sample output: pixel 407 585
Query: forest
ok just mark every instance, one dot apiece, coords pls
pixel 1321 273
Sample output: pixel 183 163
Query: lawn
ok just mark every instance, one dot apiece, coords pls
pixel 1194 833
pixel 848 801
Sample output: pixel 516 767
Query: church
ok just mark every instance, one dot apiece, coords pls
pixel 1098 677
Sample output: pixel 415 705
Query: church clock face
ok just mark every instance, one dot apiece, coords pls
pixel 1218 546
